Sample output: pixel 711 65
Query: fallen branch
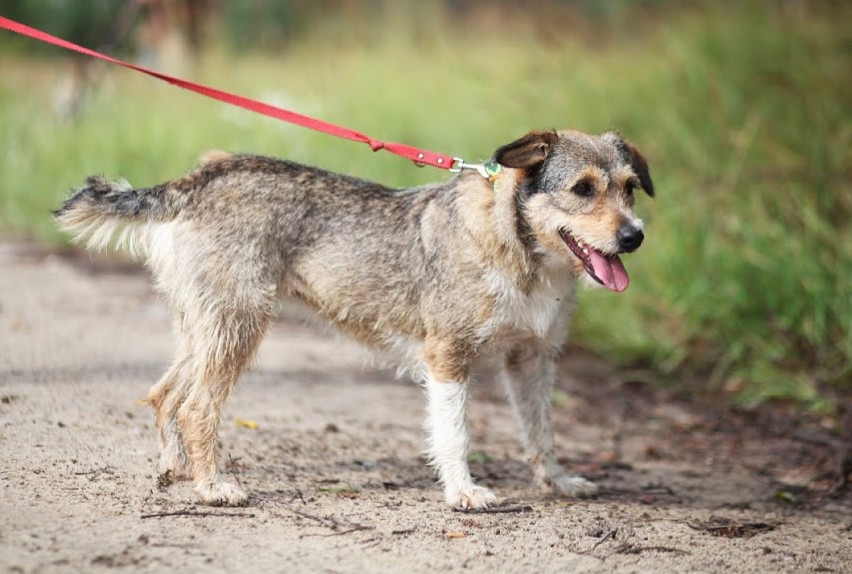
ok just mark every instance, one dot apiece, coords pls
pixel 498 510
pixel 235 470
pixel 357 528
pixel 329 522
pixel 718 526
pixel 609 534
pixel 604 538
pixel 102 470
pixel 631 549
pixel 193 513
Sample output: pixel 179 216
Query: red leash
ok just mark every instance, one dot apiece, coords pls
pixel 420 156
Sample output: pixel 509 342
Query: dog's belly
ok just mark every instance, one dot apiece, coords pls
pixel 390 350
pixel 385 347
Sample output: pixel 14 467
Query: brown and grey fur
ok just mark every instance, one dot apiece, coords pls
pixel 443 276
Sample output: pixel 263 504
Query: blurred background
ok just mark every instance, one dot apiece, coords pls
pixel 743 288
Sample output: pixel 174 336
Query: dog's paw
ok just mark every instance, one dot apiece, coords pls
pixel 470 498
pixel 575 486
pixel 219 493
pixel 173 458
pixel 176 465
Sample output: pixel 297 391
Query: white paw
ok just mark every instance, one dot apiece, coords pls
pixel 219 493
pixel 573 486
pixel 470 498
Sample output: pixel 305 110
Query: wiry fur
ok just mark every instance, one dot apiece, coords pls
pixel 443 276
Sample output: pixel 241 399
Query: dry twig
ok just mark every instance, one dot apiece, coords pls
pixel 194 513
pixel 329 522
pixel 498 510
pixel 235 470
pixel 633 549
pixel 718 526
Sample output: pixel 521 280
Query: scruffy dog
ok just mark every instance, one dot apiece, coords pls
pixel 442 276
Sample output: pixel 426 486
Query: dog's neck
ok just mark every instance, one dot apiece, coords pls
pixel 493 212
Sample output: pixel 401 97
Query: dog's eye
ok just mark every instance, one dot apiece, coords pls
pixel 583 189
pixel 629 188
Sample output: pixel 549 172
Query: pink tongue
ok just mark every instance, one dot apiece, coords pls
pixel 610 270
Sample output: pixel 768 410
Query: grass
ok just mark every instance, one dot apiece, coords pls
pixel 743 110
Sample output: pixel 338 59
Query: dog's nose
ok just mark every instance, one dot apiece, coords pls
pixel 630 238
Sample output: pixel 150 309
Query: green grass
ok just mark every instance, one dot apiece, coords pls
pixel 745 115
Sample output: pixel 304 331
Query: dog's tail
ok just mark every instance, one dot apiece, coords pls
pixel 100 209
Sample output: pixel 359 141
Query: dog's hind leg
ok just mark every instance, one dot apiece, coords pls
pixel 226 335
pixel 166 396
pixel 528 373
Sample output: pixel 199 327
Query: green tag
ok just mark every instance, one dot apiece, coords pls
pixel 493 169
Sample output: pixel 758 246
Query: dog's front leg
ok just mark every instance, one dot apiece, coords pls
pixel 446 428
pixel 528 374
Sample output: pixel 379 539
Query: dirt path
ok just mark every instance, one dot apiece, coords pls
pixel 334 466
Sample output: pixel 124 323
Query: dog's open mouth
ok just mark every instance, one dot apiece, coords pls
pixel 608 270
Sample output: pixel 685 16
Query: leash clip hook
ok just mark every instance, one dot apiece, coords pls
pixel 460 164
pixel 489 170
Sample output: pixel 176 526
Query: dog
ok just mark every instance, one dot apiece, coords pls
pixel 442 276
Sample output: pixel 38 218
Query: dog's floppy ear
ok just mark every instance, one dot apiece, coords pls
pixel 638 163
pixel 529 151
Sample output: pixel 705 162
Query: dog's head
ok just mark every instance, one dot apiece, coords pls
pixel 576 193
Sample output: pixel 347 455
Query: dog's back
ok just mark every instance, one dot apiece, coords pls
pixel 375 261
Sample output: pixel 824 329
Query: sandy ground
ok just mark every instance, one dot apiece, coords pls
pixel 334 469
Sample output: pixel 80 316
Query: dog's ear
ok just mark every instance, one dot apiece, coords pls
pixel 638 163
pixel 531 150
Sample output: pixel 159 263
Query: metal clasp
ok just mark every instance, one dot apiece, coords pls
pixel 490 170
pixel 460 164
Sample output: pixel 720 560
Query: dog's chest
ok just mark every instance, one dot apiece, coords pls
pixel 533 313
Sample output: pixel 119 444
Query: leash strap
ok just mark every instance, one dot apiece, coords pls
pixel 417 155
